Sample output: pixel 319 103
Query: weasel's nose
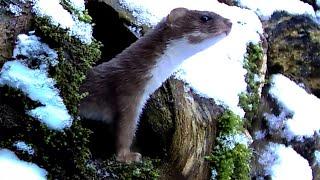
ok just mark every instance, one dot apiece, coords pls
pixel 228 23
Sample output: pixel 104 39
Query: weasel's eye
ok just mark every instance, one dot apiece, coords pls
pixel 205 18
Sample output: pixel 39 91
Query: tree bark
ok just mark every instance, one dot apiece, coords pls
pixel 193 129
pixel 10 27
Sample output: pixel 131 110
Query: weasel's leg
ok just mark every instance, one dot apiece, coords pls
pixel 127 125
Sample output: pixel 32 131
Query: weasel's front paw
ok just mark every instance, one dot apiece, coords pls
pixel 129 157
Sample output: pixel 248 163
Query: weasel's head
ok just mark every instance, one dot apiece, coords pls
pixel 197 26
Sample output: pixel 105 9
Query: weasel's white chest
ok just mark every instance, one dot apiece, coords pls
pixel 176 52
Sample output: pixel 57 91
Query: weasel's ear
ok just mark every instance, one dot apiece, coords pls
pixel 176 13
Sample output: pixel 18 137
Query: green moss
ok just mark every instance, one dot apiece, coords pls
pixel 82 15
pixel 136 171
pixel 249 100
pixel 230 163
pixel 229 123
pixel 75 58
pixel 64 154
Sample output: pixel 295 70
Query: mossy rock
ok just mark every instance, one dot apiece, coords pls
pixel 64 154
pixel 294 49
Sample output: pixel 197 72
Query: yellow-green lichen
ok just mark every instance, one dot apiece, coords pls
pixel 82 15
pixel 249 100
pixel 230 163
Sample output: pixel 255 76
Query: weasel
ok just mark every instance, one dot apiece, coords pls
pixel 118 89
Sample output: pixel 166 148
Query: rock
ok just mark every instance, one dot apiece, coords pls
pixel 294 49
pixel 228 2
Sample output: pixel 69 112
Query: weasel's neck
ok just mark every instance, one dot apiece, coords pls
pixel 166 58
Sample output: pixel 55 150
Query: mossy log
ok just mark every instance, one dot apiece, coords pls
pixel 63 154
pixel 185 124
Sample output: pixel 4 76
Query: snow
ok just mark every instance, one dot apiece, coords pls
pixel 11 168
pixel 276 122
pixel 230 141
pixel 77 4
pixel 204 71
pixel 30 46
pixel 21 145
pixel 265 8
pixel 301 107
pixel 15 9
pixel 54 113
pixel 59 16
pixel 317 157
pixel 214 174
pixel 35 83
pixel 318 3
pixel 281 162
pixel 258 135
pixel 39 87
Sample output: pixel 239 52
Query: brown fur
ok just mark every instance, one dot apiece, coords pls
pixel 115 88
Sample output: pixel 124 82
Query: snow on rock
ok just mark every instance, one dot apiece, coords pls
pixel 54 113
pixel 216 72
pixel 35 83
pixel 300 110
pixel 21 145
pixel 12 168
pixel 39 87
pixel 281 162
pixel 232 140
pixel 29 46
pixel 275 122
pixel 317 157
pixel 77 4
pixel 265 8
pixel 15 9
pixel 258 135
pixel 59 16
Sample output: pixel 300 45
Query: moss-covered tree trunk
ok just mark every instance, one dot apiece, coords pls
pixel 63 154
pixel 186 125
